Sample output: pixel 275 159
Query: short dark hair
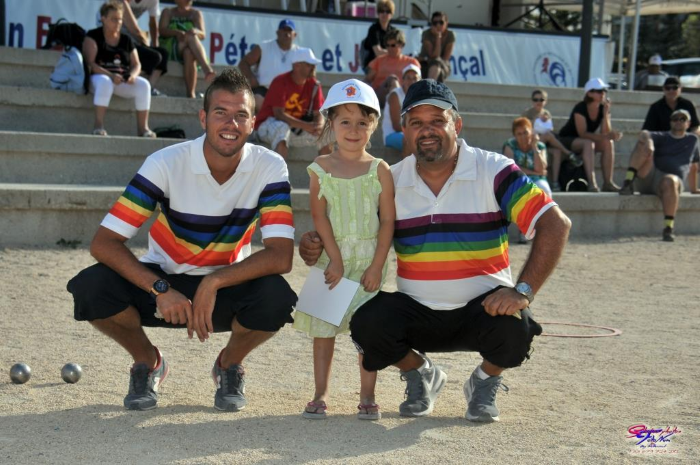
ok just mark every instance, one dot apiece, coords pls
pixel 672 81
pixel 110 5
pixel 397 35
pixel 230 80
pixel 439 14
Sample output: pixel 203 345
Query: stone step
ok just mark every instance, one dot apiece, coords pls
pixel 48 110
pixel 29 157
pixel 43 214
pixel 31 68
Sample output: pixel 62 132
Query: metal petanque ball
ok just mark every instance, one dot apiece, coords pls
pixel 71 373
pixel 20 373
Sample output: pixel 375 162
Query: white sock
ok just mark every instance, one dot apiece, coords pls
pixel 425 366
pixel 481 374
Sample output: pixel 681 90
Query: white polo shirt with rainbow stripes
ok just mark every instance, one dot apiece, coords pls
pixel 454 247
pixel 203 225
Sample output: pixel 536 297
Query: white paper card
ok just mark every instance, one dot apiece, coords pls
pixel 317 300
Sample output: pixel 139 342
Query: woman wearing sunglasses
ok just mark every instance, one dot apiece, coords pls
pixel 541 120
pixel 374 44
pixel 589 131
pixel 438 43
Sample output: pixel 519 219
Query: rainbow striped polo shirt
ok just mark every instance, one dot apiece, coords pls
pixel 454 247
pixel 202 225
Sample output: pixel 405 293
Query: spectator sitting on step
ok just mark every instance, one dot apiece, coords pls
pixel 290 115
pixel 375 43
pixel 662 161
pixel 154 59
pixel 580 134
pixel 271 60
pixel 652 76
pixel 543 126
pixel 438 43
pixel 384 70
pixel 114 66
pixel 391 124
pixel 659 114
pixel 528 152
pixel 181 32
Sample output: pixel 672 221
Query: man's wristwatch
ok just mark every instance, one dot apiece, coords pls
pixel 524 288
pixel 159 287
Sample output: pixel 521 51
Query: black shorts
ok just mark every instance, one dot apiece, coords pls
pixel 567 141
pixel 387 327
pixel 263 304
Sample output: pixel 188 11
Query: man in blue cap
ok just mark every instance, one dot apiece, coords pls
pixel 455 291
pixel 271 58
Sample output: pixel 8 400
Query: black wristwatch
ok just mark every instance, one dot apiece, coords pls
pixel 524 288
pixel 159 287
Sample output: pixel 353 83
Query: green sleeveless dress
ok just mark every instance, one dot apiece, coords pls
pixel 177 23
pixel 352 208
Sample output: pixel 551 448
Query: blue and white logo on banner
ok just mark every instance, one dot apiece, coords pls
pixel 551 69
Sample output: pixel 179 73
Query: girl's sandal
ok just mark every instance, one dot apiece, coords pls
pixel 315 411
pixel 368 412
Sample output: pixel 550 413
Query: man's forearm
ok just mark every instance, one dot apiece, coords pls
pixel 552 233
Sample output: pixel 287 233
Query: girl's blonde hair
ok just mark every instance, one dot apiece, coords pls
pixel 327 136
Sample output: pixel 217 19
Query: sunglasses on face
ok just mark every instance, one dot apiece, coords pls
pixel 394 45
pixel 438 23
pixel 537 100
pixel 671 87
pixel 679 118
pixel 384 12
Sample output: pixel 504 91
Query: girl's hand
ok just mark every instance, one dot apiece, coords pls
pixel 544 117
pixel 334 271
pixel 131 79
pixel 534 141
pixel 117 79
pixel 371 279
pixel 606 106
pixel 615 136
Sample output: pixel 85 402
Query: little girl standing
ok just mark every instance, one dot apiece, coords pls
pixel 352 204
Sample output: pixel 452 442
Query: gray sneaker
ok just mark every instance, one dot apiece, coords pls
pixel 144 384
pixel 421 390
pixel 230 387
pixel 481 397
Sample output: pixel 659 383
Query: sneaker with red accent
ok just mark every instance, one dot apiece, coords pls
pixel 230 386
pixel 144 384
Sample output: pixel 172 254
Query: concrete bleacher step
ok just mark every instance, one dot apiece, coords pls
pixel 48 110
pixel 31 68
pixel 43 214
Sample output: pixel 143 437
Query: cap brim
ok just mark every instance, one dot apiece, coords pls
pixel 441 104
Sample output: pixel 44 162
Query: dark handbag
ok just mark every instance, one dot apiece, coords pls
pixel 64 33
pixel 170 132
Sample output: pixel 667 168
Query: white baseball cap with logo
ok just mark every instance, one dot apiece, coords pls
pixel 595 84
pixel 305 55
pixel 351 91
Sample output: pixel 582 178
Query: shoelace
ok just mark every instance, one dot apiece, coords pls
pixel 417 392
pixel 231 381
pixel 494 390
pixel 139 379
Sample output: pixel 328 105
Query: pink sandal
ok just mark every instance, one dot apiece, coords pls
pixel 319 411
pixel 365 414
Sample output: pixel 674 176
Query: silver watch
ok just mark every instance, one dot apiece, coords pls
pixel 524 288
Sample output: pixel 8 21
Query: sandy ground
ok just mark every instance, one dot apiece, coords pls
pixel 571 403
